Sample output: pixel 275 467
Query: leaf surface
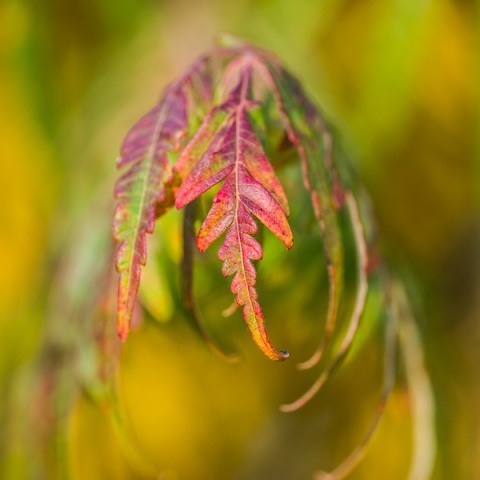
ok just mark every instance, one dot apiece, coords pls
pixel 226 148
pixel 141 188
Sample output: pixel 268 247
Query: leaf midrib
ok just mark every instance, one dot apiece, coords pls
pixel 240 109
pixel 150 160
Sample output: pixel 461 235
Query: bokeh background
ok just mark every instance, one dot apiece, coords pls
pixel 399 79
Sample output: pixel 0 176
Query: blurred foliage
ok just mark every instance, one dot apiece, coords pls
pixel 399 79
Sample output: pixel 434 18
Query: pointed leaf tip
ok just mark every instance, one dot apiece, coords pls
pixel 226 148
pixel 122 330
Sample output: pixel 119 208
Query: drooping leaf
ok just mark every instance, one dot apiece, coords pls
pixel 225 147
pixel 307 130
pixel 141 188
pixel 228 101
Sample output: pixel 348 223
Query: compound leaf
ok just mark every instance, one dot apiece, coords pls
pixel 226 148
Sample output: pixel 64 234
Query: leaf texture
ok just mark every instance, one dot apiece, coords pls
pixel 226 148
pixel 141 188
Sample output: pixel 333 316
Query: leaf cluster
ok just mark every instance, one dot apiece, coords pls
pixel 213 126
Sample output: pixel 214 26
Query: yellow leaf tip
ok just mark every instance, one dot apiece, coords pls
pixel 122 331
pixel 279 356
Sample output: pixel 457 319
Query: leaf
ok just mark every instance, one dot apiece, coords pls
pixel 225 147
pixel 308 132
pixel 199 88
pixel 142 188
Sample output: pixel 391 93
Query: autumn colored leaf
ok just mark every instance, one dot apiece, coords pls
pixel 226 148
pixel 141 188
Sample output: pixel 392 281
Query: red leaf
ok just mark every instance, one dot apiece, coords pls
pixel 141 188
pixel 225 147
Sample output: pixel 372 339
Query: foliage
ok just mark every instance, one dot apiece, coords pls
pixel 214 125
pixel 398 80
pixel 246 90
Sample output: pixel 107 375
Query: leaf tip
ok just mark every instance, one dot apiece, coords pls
pixel 275 355
pixel 286 409
pixel 179 203
pixel 122 330
pixel 289 243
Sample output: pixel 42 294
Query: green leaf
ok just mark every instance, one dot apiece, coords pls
pixel 141 188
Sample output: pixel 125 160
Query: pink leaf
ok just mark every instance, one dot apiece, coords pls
pixel 141 188
pixel 225 147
